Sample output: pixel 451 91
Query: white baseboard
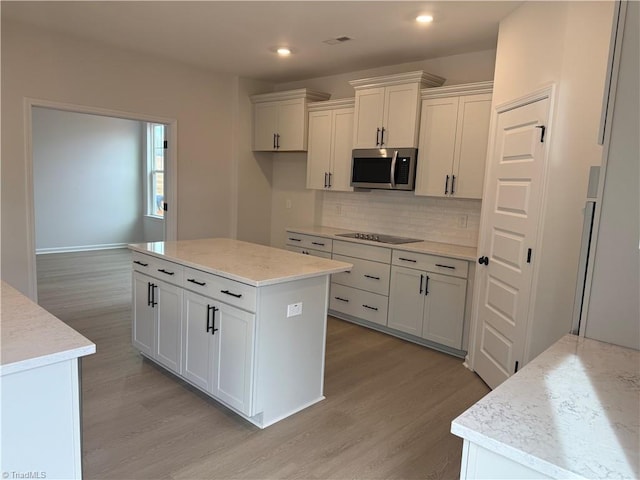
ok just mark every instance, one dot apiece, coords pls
pixel 82 248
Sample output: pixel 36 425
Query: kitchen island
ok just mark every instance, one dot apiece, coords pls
pixel 244 323
pixel 40 383
pixel 573 412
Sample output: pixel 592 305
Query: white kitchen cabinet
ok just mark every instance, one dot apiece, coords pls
pixel 454 131
pixel 330 145
pixel 143 322
pixel 280 119
pixel 198 340
pixel 309 244
pixel 387 109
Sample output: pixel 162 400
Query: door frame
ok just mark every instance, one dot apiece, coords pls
pixel 546 91
pixel 171 187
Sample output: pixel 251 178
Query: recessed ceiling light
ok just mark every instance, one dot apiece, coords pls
pixel 424 19
pixel 283 51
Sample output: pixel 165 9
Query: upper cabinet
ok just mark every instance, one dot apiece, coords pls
pixel 330 140
pixel 387 109
pixel 280 119
pixel 454 132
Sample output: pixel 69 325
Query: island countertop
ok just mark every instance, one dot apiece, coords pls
pixel 32 337
pixel 572 412
pixel 249 263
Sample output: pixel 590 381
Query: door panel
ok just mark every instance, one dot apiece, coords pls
pixel 406 300
pixel 319 149
pixel 197 350
pixel 342 147
pixel 143 330
pixel 444 310
pixel 265 122
pixel 169 330
pixel 368 117
pixel 400 120
pixel 514 198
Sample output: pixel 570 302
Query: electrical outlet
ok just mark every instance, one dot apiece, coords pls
pixel 287 203
pixel 294 309
pixel 462 221
pixel 339 210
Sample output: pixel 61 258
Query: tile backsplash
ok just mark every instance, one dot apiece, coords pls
pixel 444 220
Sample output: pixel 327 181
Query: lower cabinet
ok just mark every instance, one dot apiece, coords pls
pixel 427 305
pixel 218 346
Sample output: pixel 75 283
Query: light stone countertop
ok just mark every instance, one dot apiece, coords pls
pixel 249 263
pixel 433 248
pixel 572 412
pixel 32 337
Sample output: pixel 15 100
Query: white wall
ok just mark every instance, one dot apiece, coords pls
pixel 565 43
pixel 58 68
pixel 614 308
pixel 289 169
pixel 87 180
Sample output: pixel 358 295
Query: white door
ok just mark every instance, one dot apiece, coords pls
pixel 196 328
pixel 513 200
pixel 368 118
pixel 319 149
pixel 143 331
pixel 342 135
pixel 291 126
pixel 169 326
pixel 406 300
pixel 444 309
pixel 400 121
pixel 265 122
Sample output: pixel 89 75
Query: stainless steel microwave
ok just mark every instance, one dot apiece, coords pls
pixel 384 168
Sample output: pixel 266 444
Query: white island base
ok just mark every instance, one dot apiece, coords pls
pixel 244 323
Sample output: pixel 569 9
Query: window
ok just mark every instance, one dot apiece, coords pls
pixel 155 169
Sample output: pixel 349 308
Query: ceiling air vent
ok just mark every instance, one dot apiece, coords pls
pixel 336 41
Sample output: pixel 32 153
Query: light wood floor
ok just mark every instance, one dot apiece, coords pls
pixel 387 413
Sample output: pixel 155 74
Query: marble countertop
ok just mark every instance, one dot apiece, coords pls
pixel 433 248
pixel 32 337
pixel 249 263
pixel 572 412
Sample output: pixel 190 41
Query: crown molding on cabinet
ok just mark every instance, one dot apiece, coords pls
pixel 331 104
pixel 309 95
pixel 457 90
pixel 425 79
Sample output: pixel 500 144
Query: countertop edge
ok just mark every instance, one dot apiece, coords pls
pixel 48 359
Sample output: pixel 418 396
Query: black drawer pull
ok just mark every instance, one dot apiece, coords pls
pixel 407 259
pixel 341 299
pixel 317 243
pixel 140 263
pixel 193 280
pixel 370 308
pixel 445 266
pixel 295 239
pixel 211 313
pixel 227 292
pixel 372 277
pixel 166 272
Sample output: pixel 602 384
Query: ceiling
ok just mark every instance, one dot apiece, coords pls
pixel 238 37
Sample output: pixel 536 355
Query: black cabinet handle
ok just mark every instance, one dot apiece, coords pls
pixel 445 266
pixel 140 263
pixel 421 280
pixel 370 308
pixel 382 137
pixel 341 299
pixel 325 180
pixel 295 239
pixel 277 140
pixel 330 179
pixel 148 294
pixel 227 292
pixel 483 260
pixel 406 259
pixel 446 185
pixel 274 141
pixel 193 280
pixel 426 286
pixel 372 277
pixel 153 295
pixel 166 272
pixel 305 252
pixel 211 314
pixel 453 183
pixel 317 243
pixel 377 136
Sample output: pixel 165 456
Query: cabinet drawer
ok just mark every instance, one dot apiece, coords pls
pixel 309 242
pixel 431 263
pixel 358 303
pixel 367 252
pixel 228 291
pixel 309 251
pixel 365 275
pixel 158 268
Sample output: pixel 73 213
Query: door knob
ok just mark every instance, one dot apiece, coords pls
pixel 483 260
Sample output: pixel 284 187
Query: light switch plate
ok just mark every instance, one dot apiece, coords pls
pixel 294 309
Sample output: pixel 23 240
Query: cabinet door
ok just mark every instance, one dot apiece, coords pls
pixel 144 329
pixel 472 135
pixel 342 135
pixel 233 364
pixel 169 326
pixel 292 122
pixel 437 146
pixel 368 117
pixel 406 300
pixel 400 120
pixel 197 341
pixel 444 310
pixel 265 124
pixel 319 153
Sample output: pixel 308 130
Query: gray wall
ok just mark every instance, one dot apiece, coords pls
pixel 87 174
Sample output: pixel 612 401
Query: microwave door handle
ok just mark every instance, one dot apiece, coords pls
pixel 393 169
